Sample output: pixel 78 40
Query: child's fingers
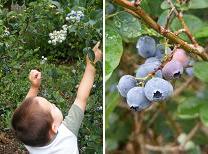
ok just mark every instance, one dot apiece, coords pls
pixel 97 45
pixel 38 75
pixel 35 74
pixel 33 71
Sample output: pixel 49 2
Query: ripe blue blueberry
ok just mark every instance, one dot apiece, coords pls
pixel 146 46
pixel 152 59
pixel 172 70
pixel 157 89
pixel 148 68
pixel 125 84
pixel 160 51
pixel 189 71
pixel 136 99
pixel 109 8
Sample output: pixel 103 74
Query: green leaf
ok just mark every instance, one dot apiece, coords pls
pixel 194 150
pixel 152 7
pixel 202 33
pixel 91 55
pixel 194 24
pixel 128 26
pixel 99 65
pixel 145 5
pixel 163 18
pixel 189 108
pixel 203 114
pixel 113 100
pixel 198 4
pixel 165 5
pixel 108 76
pixel 200 71
pixel 113 48
pixel 111 144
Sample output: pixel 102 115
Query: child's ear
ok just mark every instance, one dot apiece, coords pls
pixel 54 128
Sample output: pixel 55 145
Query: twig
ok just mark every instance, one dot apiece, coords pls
pixel 178 1
pixel 204 129
pixel 179 31
pixel 172 121
pixel 150 22
pixel 169 17
pixel 169 148
pixel 112 15
pixel 182 87
pixel 137 123
pixel 153 118
pixel 181 19
pixel 132 12
pixel 163 148
pixel 140 140
pixel 137 126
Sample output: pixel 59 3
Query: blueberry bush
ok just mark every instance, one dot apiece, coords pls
pixel 53 37
pixel 156 76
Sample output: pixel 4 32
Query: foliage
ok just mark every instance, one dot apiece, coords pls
pixel 163 123
pixel 30 27
pixel 24 34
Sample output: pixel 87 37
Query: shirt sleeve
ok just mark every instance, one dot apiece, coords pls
pixel 74 119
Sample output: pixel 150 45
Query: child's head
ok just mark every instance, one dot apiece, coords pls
pixel 36 121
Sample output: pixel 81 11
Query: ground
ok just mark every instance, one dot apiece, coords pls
pixel 9 144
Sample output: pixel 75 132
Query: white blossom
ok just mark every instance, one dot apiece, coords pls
pixel 64 27
pixel 58 36
pixel 67 18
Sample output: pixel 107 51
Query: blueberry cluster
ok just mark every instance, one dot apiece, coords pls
pixel 58 36
pixel 74 16
pixel 151 83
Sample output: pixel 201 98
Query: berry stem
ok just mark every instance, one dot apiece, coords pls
pixel 150 75
pixel 169 18
pixel 181 19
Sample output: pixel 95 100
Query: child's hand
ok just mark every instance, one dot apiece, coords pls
pixel 35 78
pixel 98 53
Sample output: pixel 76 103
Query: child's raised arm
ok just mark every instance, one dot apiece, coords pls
pixel 87 79
pixel 35 79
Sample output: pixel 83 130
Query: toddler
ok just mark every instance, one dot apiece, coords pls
pixel 40 125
